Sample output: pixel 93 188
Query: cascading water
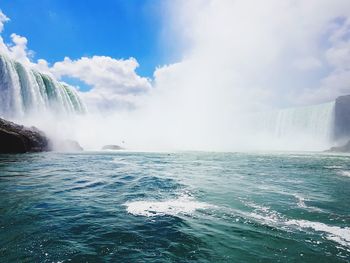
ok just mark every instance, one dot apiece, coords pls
pixel 312 123
pixel 317 120
pixel 24 90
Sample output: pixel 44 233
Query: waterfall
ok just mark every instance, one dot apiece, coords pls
pixel 316 122
pixel 301 128
pixel 24 90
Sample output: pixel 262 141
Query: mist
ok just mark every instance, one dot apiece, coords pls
pixel 237 59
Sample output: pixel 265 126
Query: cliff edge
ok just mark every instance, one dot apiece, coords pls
pixel 16 138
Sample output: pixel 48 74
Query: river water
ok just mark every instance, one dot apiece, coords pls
pixel 174 207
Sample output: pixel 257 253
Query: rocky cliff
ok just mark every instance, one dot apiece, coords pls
pixel 16 138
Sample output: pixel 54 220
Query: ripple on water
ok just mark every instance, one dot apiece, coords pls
pixel 187 207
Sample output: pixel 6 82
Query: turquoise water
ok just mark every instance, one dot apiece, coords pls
pixel 177 207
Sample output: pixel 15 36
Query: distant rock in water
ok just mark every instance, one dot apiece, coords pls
pixel 67 146
pixel 16 138
pixel 112 147
pixel 342 149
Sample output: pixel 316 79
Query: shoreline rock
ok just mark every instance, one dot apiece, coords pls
pixel 112 147
pixel 340 149
pixel 15 138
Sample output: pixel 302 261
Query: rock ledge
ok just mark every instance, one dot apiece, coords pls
pixel 16 138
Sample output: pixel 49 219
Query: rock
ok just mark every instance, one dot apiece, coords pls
pixel 16 138
pixel 342 118
pixel 342 149
pixel 112 147
pixel 67 146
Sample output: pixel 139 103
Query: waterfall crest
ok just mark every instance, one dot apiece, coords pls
pixel 24 90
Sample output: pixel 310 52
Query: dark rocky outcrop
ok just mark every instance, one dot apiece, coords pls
pixel 16 138
pixel 340 149
pixel 342 118
pixel 112 147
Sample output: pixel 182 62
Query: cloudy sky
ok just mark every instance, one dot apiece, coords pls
pixel 210 56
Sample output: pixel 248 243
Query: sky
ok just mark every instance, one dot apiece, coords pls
pixel 185 71
pixel 116 28
pixel 281 54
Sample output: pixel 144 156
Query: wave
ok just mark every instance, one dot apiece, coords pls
pixel 340 235
pixel 187 205
pixel 265 215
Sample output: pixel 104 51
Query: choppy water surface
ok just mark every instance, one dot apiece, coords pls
pixel 177 207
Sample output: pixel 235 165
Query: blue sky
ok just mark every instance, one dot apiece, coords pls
pixel 115 28
pixel 214 59
pixel 293 56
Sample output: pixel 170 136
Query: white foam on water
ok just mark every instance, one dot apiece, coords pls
pixel 301 201
pixel 263 213
pixel 344 173
pixel 120 160
pixel 333 166
pixel 340 235
pixel 182 205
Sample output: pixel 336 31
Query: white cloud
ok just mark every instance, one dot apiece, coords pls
pixel 238 56
pixel 104 73
pixel 307 63
pixel 16 50
pixel 337 80
pixel 267 53
pixel 114 82
pixel 254 51
pixel 19 49
pixel 243 56
pixel 338 54
pixel 3 20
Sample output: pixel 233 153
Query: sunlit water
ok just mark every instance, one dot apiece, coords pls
pixel 177 207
